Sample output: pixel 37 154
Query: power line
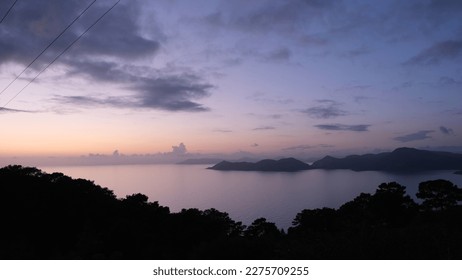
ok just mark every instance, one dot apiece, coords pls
pixel 47 47
pixel 57 57
pixel 7 12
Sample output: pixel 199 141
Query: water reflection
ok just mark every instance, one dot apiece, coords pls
pixel 246 196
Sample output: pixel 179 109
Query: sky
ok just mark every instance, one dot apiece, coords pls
pixel 162 79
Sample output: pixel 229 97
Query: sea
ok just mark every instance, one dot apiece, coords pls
pixel 245 195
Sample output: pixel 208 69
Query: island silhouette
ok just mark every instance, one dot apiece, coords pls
pixel 285 165
pixel 399 160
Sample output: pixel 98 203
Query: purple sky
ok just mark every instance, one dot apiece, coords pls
pixel 266 78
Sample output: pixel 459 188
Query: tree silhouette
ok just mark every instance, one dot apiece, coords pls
pixel 391 205
pixel 358 210
pixel 439 195
pixel 316 220
pixel 53 216
pixel 261 228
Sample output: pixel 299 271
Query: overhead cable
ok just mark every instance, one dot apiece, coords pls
pixel 47 47
pixel 7 12
pixel 61 53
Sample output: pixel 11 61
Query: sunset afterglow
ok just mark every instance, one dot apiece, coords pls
pixel 262 78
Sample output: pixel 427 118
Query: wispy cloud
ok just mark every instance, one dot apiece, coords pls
pixel 264 128
pixel 360 98
pixel 438 52
pixel 306 147
pixel 171 93
pixel 154 90
pixel 219 130
pixel 88 101
pixel 278 16
pixel 326 109
pixel 264 98
pixel 265 116
pixel 359 51
pixel 344 127
pixel 449 81
pixel 275 116
pixel 446 130
pixel 8 110
pixel 420 135
pixel 282 54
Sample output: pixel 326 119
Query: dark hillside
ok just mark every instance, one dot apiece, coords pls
pixel 52 216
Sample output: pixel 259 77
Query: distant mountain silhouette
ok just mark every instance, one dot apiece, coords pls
pixel 200 161
pixel 401 160
pixel 285 165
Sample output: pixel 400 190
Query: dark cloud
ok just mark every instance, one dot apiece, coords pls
pixel 445 50
pixel 325 110
pixel 420 135
pixel 354 88
pixel 119 35
pixel 98 70
pixel 88 101
pixel 273 55
pixel 153 89
pixel 215 19
pixel 106 53
pixel 34 24
pixel 299 148
pixel 275 116
pixel 360 98
pixel 262 98
pixel 324 24
pixel 257 20
pixel 449 81
pixel 279 16
pixel 345 127
pixel 282 54
pixel 222 130
pixel 404 85
pixel 313 40
pixel 266 117
pixel 443 7
pixel 446 130
pixel 306 147
pixel 359 51
pixel 173 93
pixel 156 90
pixel 399 21
pixel 8 110
pixel 264 18
pixel 264 128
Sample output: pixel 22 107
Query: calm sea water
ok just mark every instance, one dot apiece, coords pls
pixel 246 196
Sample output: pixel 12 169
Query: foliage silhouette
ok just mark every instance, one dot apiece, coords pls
pixel 439 195
pixel 391 206
pixel 52 216
pixel 260 228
